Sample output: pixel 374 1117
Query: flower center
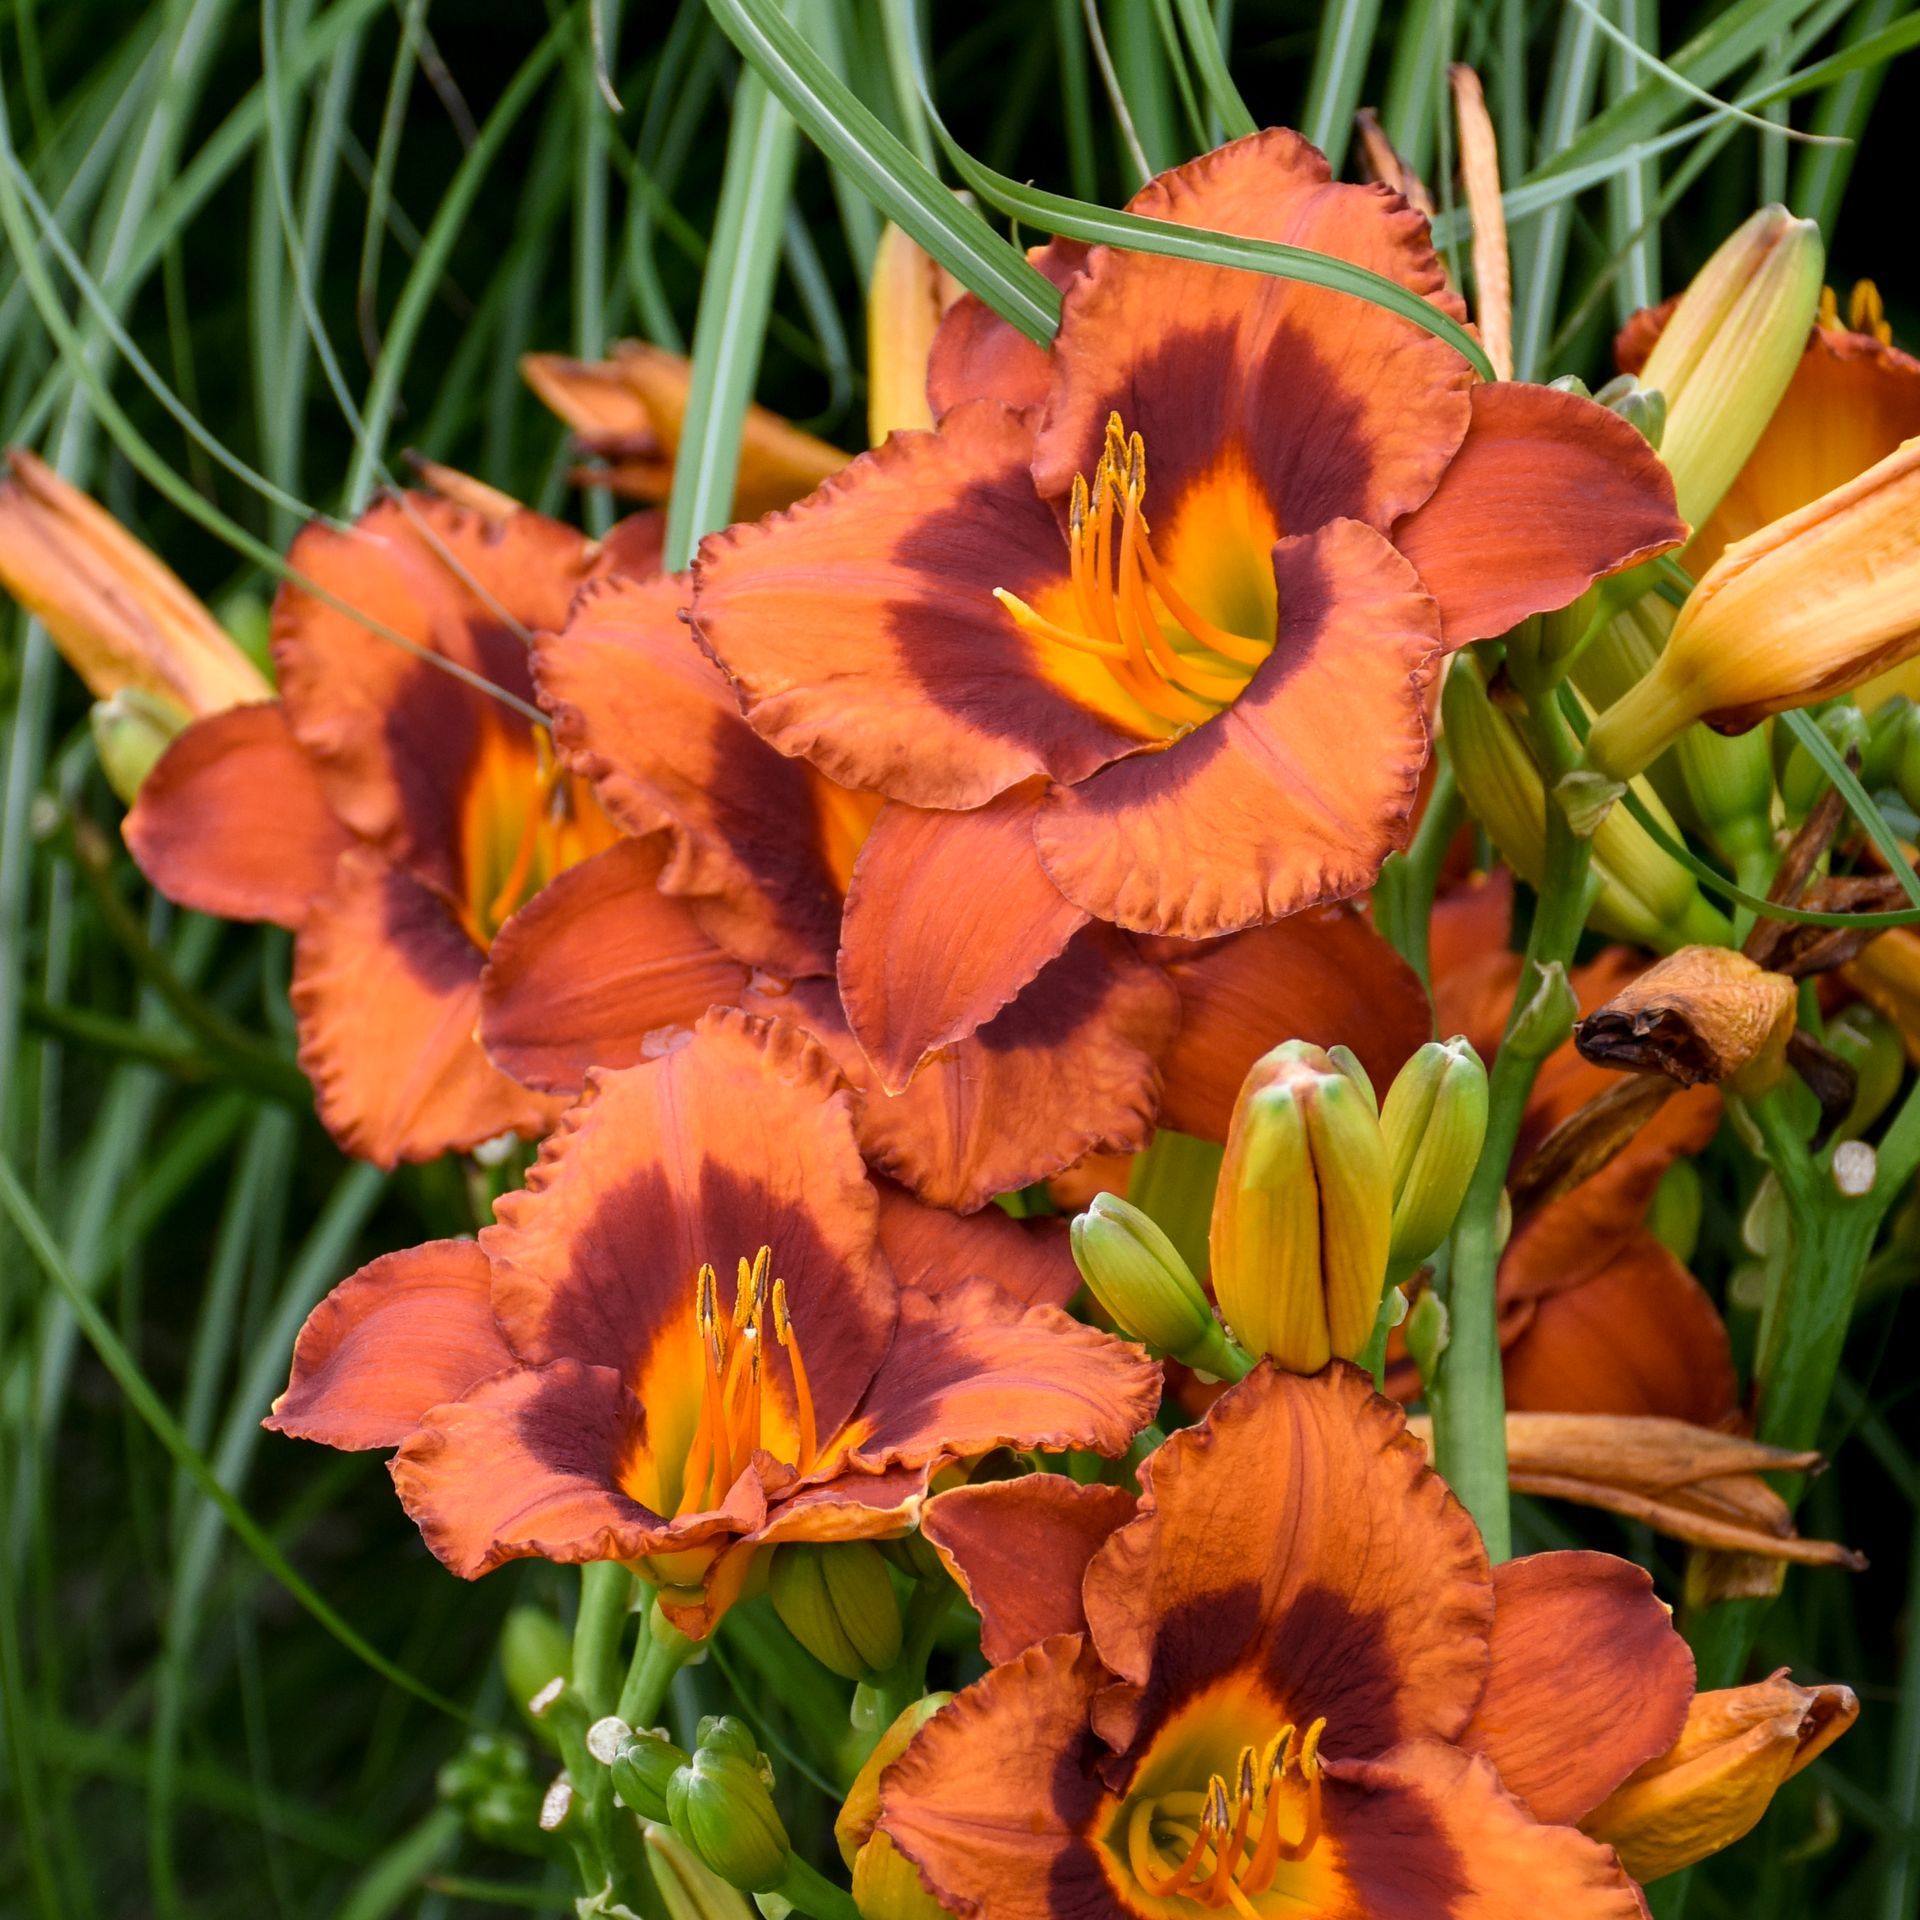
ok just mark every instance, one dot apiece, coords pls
pixel 732 1391
pixel 1224 1846
pixel 1126 609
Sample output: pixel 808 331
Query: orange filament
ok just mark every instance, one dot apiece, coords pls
pixel 1127 611
pixel 1229 1843
pixel 1866 312
pixel 733 1381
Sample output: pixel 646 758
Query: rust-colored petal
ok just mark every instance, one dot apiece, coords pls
pixel 1637 1335
pixel 386 990
pixel 1589 1681
pixel 738 1139
pixel 233 821
pixel 1738 1747
pixel 976 355
pixel 861 629
pixel 1547 493
pixel 994 1798
pixel 1267 808
pixel 394 736
pixel 974 1370
pixel 948 917
pixel 1323 975
pixel 407 1332
pixel 1019 1549
pixel 1070 1068
pixel 931 1249
pixel 1297 1541
pixel 1338 408
pixel 599 968
pixel 643 713
pixel 1430 1831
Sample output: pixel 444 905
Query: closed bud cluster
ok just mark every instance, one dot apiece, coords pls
pixel 1729 349
pixel 1434 1120
pixel 642 1770
pixel 721 1804
pixel 1814 604
pixel 1303 1214
pixel 837 1600
pixel 1138 1276
pixel 1645 896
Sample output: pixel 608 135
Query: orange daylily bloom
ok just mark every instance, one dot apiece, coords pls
pixel 1105 637
pixel 118 614
pixel 583 1384
pixel 627 412
pixel 1596 1315
pixel 393 806
pixel 1290 1682
pixel 732 890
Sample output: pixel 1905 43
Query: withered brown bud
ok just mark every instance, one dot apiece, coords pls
pixel 1702 1014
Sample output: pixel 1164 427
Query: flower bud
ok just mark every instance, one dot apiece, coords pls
pixel 490 1783
pixel 130 733
pixel 1303 1213
pixel 1434 1120
pixel 837 1601
pixel 1645 896
pixel 535 1650
pixel 719 1803
pixel 643 1769
pixel 1728 350
pixel 1803 780
pixel 1738 1748
pixel 906 296
pixel 119 617
pixel 854 1825
pixel 1814 604
pixel 1642 408
pixel 887 1885
pixel 1138 1276
pixel 1871 1047
pixel 689 1889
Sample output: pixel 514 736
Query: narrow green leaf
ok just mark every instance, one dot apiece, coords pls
pixel 1341 51
pixel 1222 95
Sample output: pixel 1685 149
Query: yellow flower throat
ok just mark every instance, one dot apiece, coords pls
pixel 1127 611
pixel 1224 1847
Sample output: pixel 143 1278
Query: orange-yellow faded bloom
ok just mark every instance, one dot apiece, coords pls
pixel 119 615
pixel 1812 605
pixel 1738 1748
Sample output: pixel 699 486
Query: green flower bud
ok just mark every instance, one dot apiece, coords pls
pixel 720 1805
pixel 837 1601
pixel 1871 1046
pixel 1892 728
pixel 1729 349
pixel 131 730
pixel 1674 1217
pixel 1138 1276
pixel 1802 779
pixel 1434 1120
pixel 1303 1212
pixel 642 1771
pixel 689 1889
pixel 534 1650
pixel 727 1733
pixel 1643 408
pixel 490 1783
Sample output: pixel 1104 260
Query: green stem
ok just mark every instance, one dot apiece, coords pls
pixel 605 1589
pixel 663 1650
pixel 906 1680
pixel 813 1893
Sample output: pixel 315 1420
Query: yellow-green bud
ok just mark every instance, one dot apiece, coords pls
pixel 131 730
pixel 719 1803
pixel 1729 349
pixel 642 1771
pixel 1803 780
pixel 689 1889
pixel 1674 1217
pixel 1435 1119
pixel 1646 896
pixel 887 1885
pixel 490 1782
pixel 534 1650
pixel 1303 1212
pixel 837 1601
pixel 854 1824
pixel 1138 1276
pixel 1871 1046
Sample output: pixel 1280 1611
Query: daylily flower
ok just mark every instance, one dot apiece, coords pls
pixel 626 413
pixel 394 806
pixel 1150 644
pixel 733 887
pixel 1290 1682
pixel 583 1384
pixel 1596 1315
pixel 120 617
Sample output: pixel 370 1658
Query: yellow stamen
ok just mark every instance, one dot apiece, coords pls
pixel 1867 314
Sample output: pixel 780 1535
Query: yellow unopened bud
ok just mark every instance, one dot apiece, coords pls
pixel 1645 896
pixel 861 1809
pixel 887 1885
pixel 1738 1748
pixel 119 617
pixel 1138 1276
pixel 908 293
pixel 1303 1214
pixel 1729 349
pixel 837 1601
pixel 1434 1119
pixel 689 1889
